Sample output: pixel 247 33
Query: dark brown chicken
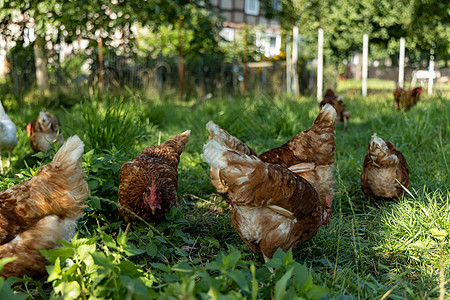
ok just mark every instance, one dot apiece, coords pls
pixel 342 114
pixel 385 171
pixel 272 207
pixel 44 131
pixel 149 182
pixel 406 99
pixel 37 213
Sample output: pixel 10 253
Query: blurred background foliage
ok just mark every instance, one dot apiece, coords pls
pixel 159 45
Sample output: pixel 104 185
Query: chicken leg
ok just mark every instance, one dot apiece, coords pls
pixel 8 162
pixel 128 228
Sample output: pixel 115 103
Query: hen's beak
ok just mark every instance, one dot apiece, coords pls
pixel 153 209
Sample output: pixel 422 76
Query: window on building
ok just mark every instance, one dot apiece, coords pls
pixel 273 42
pixel 276 5
pixel 252 7
pixel 268 44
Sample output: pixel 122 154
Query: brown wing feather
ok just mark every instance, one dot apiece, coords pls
pixel 264 188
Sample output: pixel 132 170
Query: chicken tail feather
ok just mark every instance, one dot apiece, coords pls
pixel 326 115
pixel 183 137
pixel 178 142
pixel 70 152
pixel 69 188
pixel 224 138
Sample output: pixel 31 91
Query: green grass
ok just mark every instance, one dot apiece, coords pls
pixel 398 250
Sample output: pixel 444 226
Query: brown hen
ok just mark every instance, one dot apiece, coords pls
pixel 44 131
pixel 342 114
pixel 272 207
pixel 385 171
pixel 36 213
pixel 406 99
pixel 149 182
pixel 310 153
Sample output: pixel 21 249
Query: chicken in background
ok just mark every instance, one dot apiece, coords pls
pixel 406 99
pixel 36 213
pixel 310 153
pixel 385 171
pixel 149 182
pixel 44 131
pixel 225 139
pixel 342 114
pixel 272 207
pixel 8 137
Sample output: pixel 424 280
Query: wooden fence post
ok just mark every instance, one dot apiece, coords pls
pixel 401 63
pixel 320 65
pixel 295 87
pixel 365 64
pixel 431 73
pixel 288 64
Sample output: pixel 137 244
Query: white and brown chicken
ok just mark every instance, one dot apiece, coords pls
pixel 44 131
pixel 272 207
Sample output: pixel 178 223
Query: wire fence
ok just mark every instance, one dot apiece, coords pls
pixel 201 75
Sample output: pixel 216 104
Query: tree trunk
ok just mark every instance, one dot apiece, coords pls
pixel 40 61
pixel 180 60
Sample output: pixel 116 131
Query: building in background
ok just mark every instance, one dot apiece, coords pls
pixel 237 13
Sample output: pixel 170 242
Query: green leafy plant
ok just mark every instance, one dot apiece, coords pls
pixel 80 270
pixel 231 276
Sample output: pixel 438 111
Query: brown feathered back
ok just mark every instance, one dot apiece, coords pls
pixel 150 181
pixel 317 144
pixel 58 188
pixel 383 166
